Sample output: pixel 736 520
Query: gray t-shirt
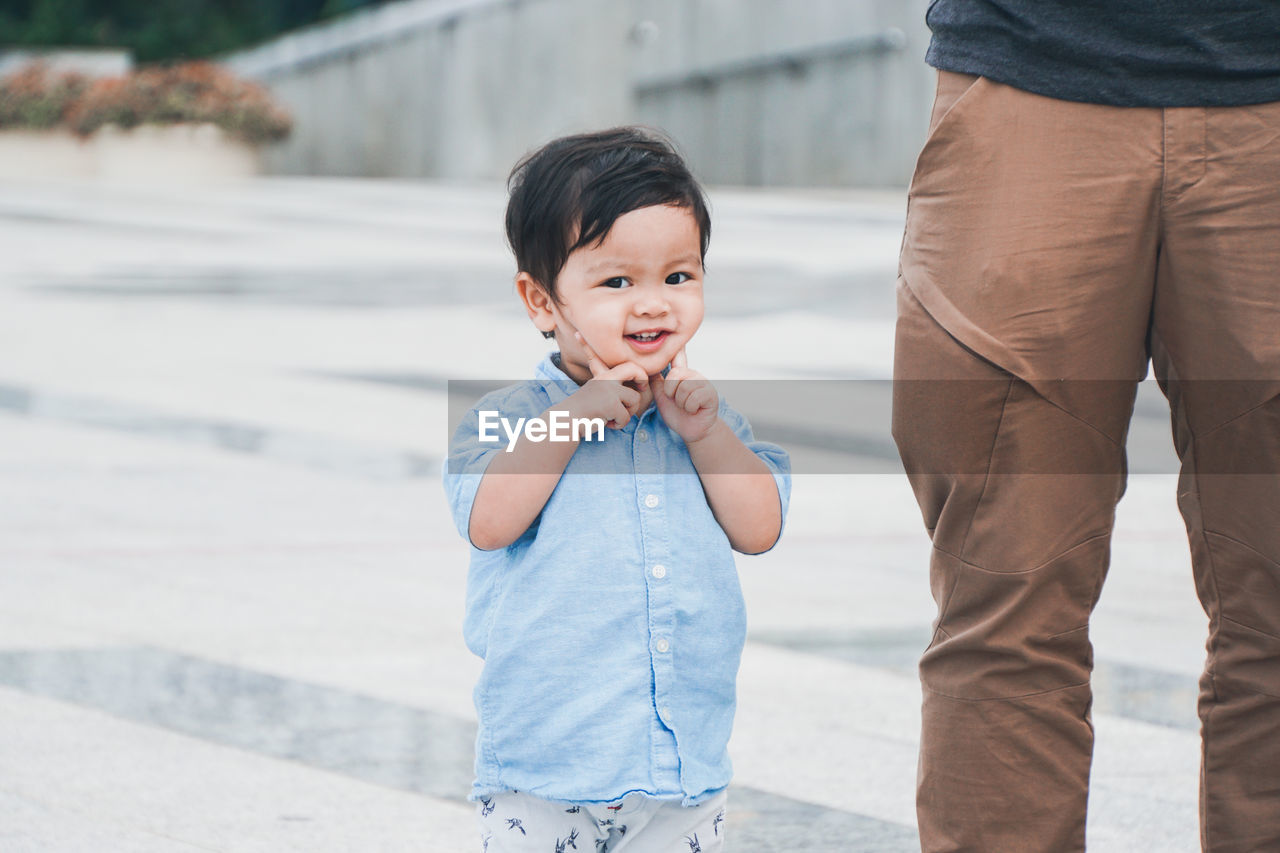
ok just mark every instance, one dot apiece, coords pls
pixel 1132 53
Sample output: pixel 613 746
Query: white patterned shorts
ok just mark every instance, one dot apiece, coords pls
pixel 520 823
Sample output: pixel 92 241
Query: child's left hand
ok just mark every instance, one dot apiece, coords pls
pixel 686 399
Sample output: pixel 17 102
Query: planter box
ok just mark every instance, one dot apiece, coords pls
pixel 183 153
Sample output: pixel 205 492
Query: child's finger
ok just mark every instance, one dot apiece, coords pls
pixel 658 384
pixel 629 397
pixel 672 383
pixel 639 385
pixel 680 359
pixel 594 364
pixel 689 403
pixel 687 389
pixel 629 371
pixel 699 400
pixel 699 390
pixel 673 390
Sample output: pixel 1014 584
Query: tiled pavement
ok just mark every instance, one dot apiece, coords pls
pixel 231 598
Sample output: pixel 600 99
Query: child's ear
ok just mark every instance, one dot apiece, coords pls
pixel 537 302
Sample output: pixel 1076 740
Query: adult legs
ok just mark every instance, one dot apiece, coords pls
pixel 1019 496
pixel 1024 303
pixel 1216 350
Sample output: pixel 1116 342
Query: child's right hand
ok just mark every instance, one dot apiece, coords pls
pixel 613 393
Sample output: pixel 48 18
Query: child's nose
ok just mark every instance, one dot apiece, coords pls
pixel 650 301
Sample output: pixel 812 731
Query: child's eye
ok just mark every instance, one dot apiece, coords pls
pixel 615 282
pixel 678 278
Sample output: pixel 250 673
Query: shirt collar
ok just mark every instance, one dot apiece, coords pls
pixel 559 385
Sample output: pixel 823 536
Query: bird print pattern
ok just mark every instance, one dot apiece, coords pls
pixel 515 823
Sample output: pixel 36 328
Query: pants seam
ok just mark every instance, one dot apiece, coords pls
pixel 1239 624
pixel 1243 414
pixel 1084 683
pixel 1081 420
pixel 1208 532
pixel 1074 630
pixel 1036 568
pixel 942 614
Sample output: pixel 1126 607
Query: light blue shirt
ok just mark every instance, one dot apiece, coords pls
pixel 612 629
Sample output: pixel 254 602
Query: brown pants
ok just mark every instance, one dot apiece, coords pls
pixel 1053 248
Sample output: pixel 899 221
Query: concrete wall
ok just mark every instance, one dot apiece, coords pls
pixel 773 92
pixel 150 154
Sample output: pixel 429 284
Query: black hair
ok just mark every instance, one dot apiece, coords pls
pixel 568 193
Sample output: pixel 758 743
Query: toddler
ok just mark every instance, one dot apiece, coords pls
pixel 602 593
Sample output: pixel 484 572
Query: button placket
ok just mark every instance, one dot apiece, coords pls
pixel 651 494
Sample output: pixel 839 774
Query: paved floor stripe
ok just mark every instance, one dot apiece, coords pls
pixel 310 450
pixel 385 743
pixel 1122 690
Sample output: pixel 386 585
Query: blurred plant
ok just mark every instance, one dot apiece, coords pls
pixel 32 98
pixel 194 92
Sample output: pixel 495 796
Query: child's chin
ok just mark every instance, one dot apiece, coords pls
pixel 655 362
pixel 650 362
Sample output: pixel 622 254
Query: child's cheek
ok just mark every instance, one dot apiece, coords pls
pixel 694 318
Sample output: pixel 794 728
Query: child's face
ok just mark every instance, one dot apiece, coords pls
pixel 646 277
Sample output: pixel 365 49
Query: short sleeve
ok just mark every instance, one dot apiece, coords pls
pixel 777 459
pixel 465 466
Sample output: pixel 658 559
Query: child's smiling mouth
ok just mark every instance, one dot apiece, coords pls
pixel 648 341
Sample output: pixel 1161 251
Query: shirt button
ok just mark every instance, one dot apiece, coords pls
pixel 662 645
pixel 650 501
pixel 659 572
pixel 665 713
pixel 642 435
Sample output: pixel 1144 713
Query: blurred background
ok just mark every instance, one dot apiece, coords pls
pixel 245 248
pixel 759 92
